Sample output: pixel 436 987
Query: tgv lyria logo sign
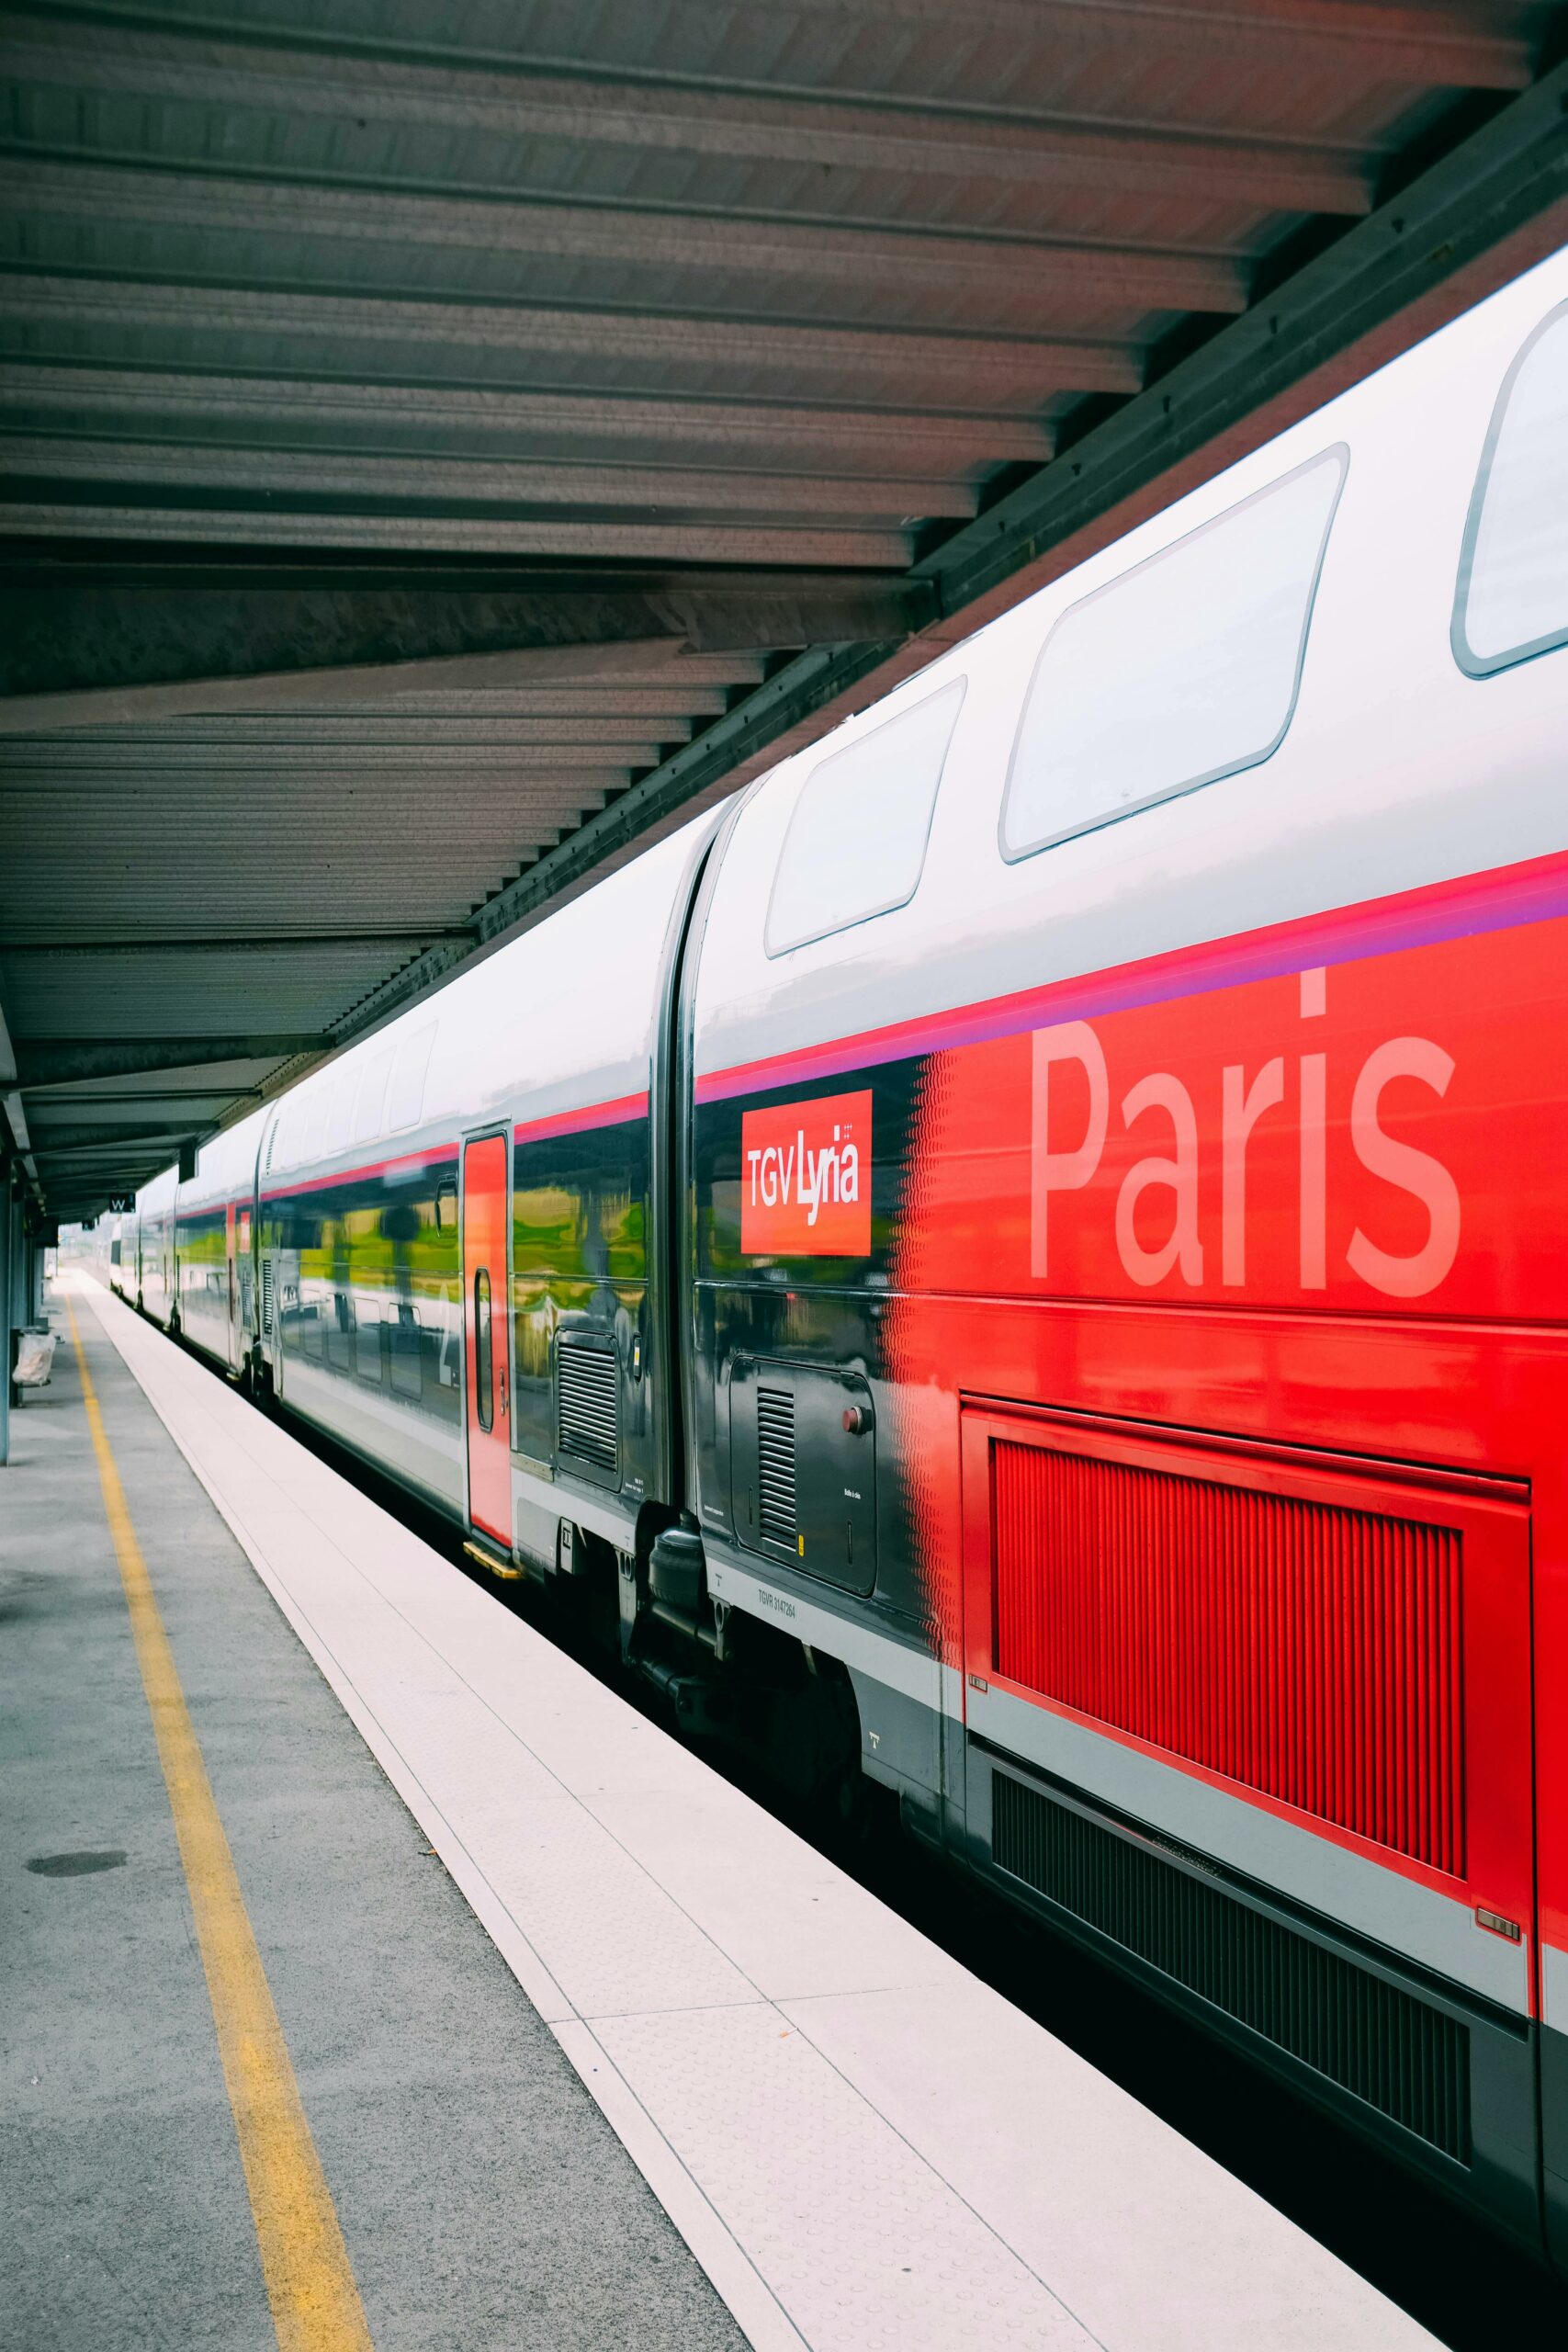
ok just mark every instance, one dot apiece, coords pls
pixel 806 1178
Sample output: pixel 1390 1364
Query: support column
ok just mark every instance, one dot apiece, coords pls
pixel 18 1256
pixel 6 1285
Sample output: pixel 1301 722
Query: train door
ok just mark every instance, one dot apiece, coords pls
pixel 245 1290
pixel 231 1328
pixel 487 1259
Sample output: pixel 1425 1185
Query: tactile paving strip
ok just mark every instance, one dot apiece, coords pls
pixel 864 2244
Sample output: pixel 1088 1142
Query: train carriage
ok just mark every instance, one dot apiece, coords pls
pixel 1024 1255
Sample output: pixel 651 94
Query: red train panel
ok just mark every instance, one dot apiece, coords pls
pixel 1307 1650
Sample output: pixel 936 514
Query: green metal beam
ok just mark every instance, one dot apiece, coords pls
pixel 66 1061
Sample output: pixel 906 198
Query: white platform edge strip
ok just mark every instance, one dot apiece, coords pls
pixel 1312 2300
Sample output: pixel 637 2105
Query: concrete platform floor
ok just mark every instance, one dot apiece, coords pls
pixel 484 2199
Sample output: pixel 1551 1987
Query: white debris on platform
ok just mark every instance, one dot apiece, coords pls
pixel 35 1359
pixel 862 2143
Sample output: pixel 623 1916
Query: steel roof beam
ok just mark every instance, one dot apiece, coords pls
pixel 464 420
pixel 221 1095
pixel 616 733
pixel 443 533
pixel 883 262
pixel 71 652
pixel 1388 38
pixel 1421 45
pixel 922 141
pixel 308 809
pixel 291 834
pixel 65 1118
pixel 48 1062
pixel 62 316
pixel 327 763
pixel 613 706
pixel 111 1135
pixel 292 826
pixel 233 942
pixel 424 483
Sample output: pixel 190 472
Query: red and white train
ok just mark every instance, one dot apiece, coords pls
pixel 1028 1255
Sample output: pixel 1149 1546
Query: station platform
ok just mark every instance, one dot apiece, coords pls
pixel 585 2047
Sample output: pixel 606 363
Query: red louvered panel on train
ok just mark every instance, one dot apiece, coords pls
pixel 1306 1650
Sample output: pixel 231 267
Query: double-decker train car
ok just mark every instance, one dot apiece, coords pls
pixel 1023 1260
pixel 147 1250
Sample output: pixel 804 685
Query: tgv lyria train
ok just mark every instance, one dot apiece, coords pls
pixel 1026 1254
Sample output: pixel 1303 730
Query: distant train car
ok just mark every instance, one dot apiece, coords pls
pixel 214 1246
pixel 151 1279
pixel 1024 1259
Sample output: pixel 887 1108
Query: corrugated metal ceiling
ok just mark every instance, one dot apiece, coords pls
pixel 446 440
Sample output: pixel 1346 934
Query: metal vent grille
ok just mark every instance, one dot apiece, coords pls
pixel 776 1513
pixel 266 1294
pixel 1306 1650
pixel 1380 2044
pixel 588 1404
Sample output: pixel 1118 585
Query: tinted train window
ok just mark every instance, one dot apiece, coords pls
pixel 337 1126
pixel 857 840
pixel 1183 671
pixel 405 1096
pixel 367 1337
pixel 484 1381
pixel 407 1366
pixel 305 1142
pixel 1512 580
pixel 369 1114
pixel 293 1140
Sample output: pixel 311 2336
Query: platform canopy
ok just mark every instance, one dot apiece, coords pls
pixel 447 441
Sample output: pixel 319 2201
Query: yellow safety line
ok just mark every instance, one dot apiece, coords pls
pixel 309 2282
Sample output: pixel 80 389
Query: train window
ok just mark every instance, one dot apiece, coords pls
pixel 1512 597
pixel 340 1330
pixel 367 1336
pixel 1183 671
pixel 406 1364
pixel 371 1105
pixel 287 1144
pixel 484 1383
pixel 338 1124
pixel 857 840
pixel 405 1096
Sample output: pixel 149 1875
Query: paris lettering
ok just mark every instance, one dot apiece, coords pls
pixel 1162 1216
